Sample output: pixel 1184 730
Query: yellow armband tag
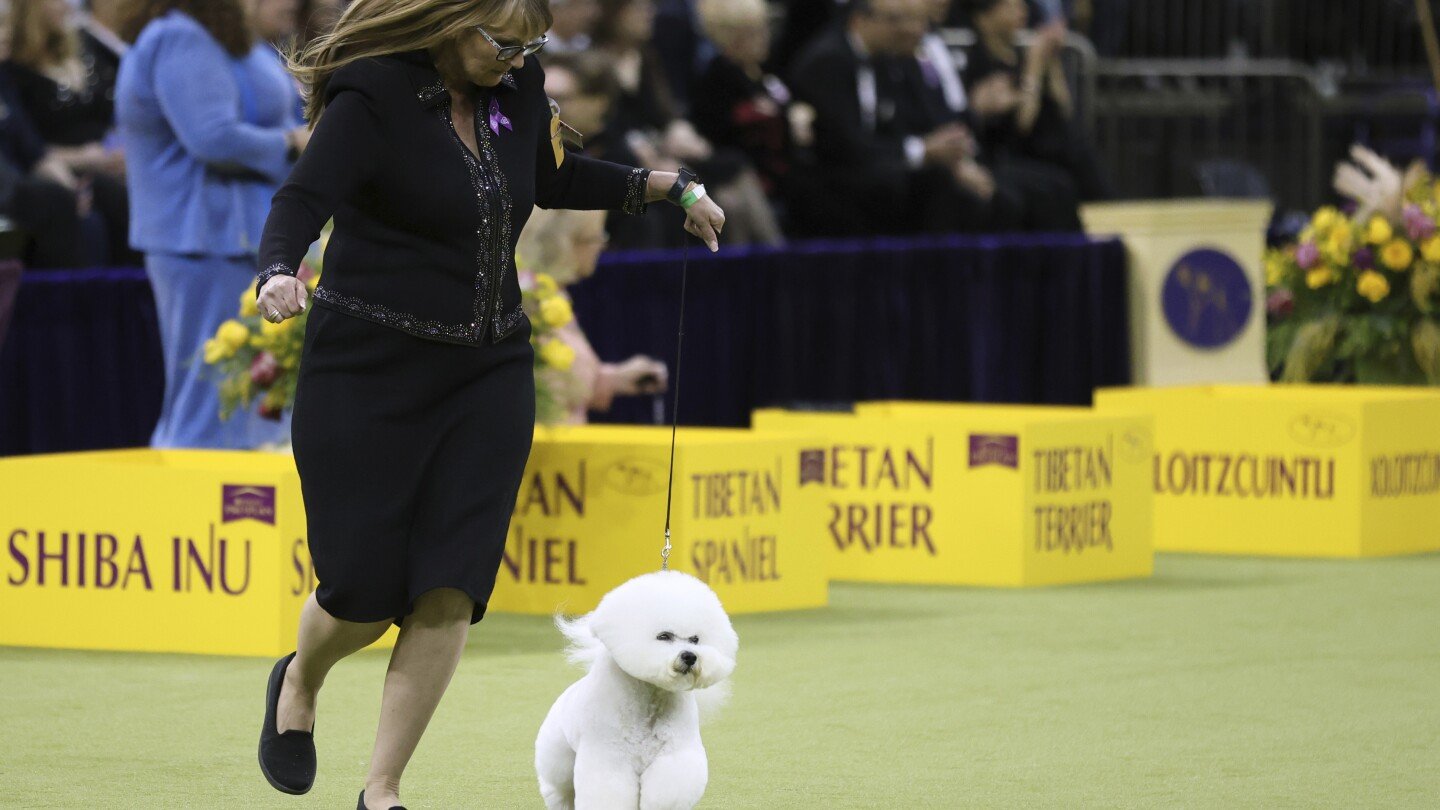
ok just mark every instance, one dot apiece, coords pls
pixel 557 142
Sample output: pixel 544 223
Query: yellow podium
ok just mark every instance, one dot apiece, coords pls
pixel 205 551
pixel 976 495
pixel 1309 471
pixel 1197 287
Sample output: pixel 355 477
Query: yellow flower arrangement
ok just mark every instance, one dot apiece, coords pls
pixel 1326 218
pixel 233 334
pixel 1321 277
pixel 1379 231
pixel 1339 243
pixel 1430 249
pixel 215 351
pixel 549 310
pixel 557 355
pixel 555 311
pixel 1333 311
pixel 1372 286
pixel 1397 255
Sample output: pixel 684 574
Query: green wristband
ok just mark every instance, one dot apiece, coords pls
pixel 691 197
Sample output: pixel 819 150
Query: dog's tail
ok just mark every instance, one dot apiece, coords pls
pixel 585 648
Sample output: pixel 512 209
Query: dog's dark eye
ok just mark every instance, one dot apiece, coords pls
pixel 666 636
pixel 694 639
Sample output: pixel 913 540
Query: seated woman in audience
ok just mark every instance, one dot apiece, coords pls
pixel 744 107
pixel 208 115
pixel 1023 98
pixel 646 113
pixel 37 191
pixel 583 86
pixel 566 245
pixel 66 83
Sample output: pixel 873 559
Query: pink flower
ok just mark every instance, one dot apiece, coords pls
pixel 305 273
pixel 1280 303
pixel 1307 255
pixel 268 411
pixel 264 369
pixel 1417 225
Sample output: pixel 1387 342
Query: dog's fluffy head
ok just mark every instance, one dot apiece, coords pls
pixel 667 629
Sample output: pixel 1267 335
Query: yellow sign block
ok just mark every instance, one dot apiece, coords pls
pixel 976 495
pixel 591 514
pixel 1308 471
pixel 154 550
pixel 205 551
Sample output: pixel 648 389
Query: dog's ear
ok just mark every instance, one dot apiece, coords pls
pixel 584 648
pixel 711 700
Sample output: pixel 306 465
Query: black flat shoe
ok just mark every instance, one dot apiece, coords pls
pixel 287 760
pixel 361 806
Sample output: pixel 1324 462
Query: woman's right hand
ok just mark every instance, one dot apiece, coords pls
pixel 282 297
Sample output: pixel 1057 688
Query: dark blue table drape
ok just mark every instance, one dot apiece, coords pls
pixel 983 319
pixel 1023 319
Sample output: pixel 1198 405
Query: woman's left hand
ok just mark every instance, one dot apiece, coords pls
pixel 706 220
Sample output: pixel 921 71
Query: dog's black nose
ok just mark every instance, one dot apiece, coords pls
pixel 688 657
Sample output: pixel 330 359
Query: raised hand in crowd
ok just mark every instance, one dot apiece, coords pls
pixel 1372 182
pixel 994 96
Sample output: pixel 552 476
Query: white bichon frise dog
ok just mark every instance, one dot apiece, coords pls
pixel 627 735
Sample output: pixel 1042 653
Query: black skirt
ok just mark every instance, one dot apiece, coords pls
pixel 410 454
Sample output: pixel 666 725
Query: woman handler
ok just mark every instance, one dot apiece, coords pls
pixel 414 406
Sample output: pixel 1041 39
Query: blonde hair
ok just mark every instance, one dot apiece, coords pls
pixel 33 43
pixel 547 245
pixel 716 15
pixel 377 27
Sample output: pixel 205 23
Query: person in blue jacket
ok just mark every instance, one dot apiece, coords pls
pixel 207 114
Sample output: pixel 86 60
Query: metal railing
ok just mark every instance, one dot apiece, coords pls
pixel 1360 37
pixel 1162 124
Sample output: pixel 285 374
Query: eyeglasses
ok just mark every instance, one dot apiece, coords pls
pixel 504 53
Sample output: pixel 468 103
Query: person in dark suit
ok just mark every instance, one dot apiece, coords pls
pixel 881 162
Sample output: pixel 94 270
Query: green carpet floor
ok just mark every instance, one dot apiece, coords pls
pixel 1219 683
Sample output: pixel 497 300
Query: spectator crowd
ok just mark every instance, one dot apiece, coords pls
pixel 810 118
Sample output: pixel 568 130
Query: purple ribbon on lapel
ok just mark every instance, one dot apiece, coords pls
pixel 497 118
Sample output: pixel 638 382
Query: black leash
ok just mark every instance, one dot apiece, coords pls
pixel 675 406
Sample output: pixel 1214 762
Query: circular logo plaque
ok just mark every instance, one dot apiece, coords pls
pixel 1206 299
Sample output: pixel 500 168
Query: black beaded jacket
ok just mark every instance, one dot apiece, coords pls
pixel 425 231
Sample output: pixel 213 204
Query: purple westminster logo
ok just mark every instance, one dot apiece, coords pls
pixel 1001 451
pixel 1206 299
pixel 812 467
pixel 241 502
